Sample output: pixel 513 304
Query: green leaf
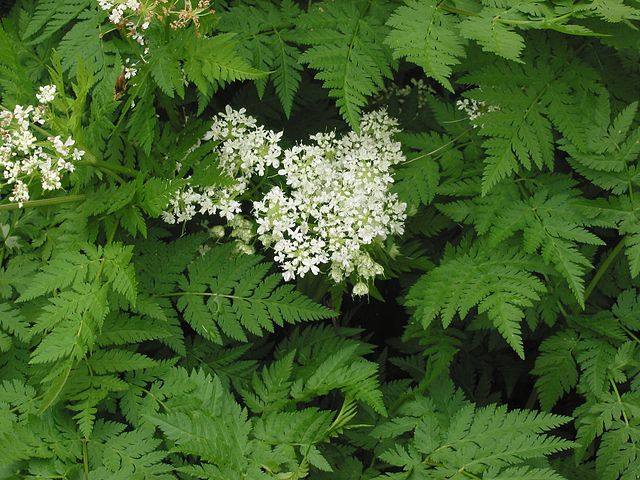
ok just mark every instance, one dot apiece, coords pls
pixel 240 297
pixel 556 368
pixel 347 50
pixel 135 452
pixel 427 36
pixel 266 39
pixel 82 43
pixel 217 430
pixel 488 442
pixel 53 15
pixel 520 105
pixel 12 321
pixel 143 122
pixel 73 318
pixel 492 35
pixel 214 62
pixel 501 283
pixel 165 71
pixel 117 361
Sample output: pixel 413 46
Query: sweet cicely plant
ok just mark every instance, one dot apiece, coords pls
pixel 324 240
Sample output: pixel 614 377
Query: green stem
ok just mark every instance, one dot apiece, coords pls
pixel 559 18
pixel 461 470
pixel 506 21
pixel 197 294
pixel 563 311
pixel 45 202
pixel 631 334
pixel 38 128
pixel 531 399
pixel 459 11
pixel 603 269
pixel 469 475
pixel 619 399
pixel 90 160
pixel 85 459
pixel 433 152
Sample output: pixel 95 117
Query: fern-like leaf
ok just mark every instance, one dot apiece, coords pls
pixel 165 71
pixel 15 84
pixel 552 220
pixel 501 283
pixel 492 35
pixel 427 36
pixel 129 454
pixel 217 430
pixel 523 102
pixel 213 62
pixel 266 40
pixel 12 321
pixel 235 295
pixel 556 368
pixel 487 442
pixel 270 391
pixel 346 47
pixel 417 182
pixel 53 15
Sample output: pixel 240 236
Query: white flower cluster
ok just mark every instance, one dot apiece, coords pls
pixel 334 202
pixel 475 109
pixel 23 156
pixel 134 16
pixel 338 202
pixel 245 150
pixel 123 11
pixel 46 94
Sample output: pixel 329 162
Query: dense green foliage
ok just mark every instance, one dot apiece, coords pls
pixel 502 341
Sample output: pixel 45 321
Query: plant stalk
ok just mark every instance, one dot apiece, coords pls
pixel 603 269
pixel 44 202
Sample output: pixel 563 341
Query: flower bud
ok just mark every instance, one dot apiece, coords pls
pixel 217 231
pixel 360 289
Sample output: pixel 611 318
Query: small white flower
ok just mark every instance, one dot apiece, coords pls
pixel 245 249
pixel 20 193
pixel 130 72
pixel 117 14
pixel 138 37
pixel 46 94
pixel 475 109
pixel 105 4
pixel 77 154
pixel 24 156
pixel 203 249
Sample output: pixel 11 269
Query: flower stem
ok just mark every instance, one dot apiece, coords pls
pixel 459 11
pixel 44 202
pixel 90 160
pixel 85 459
pixel 603 269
